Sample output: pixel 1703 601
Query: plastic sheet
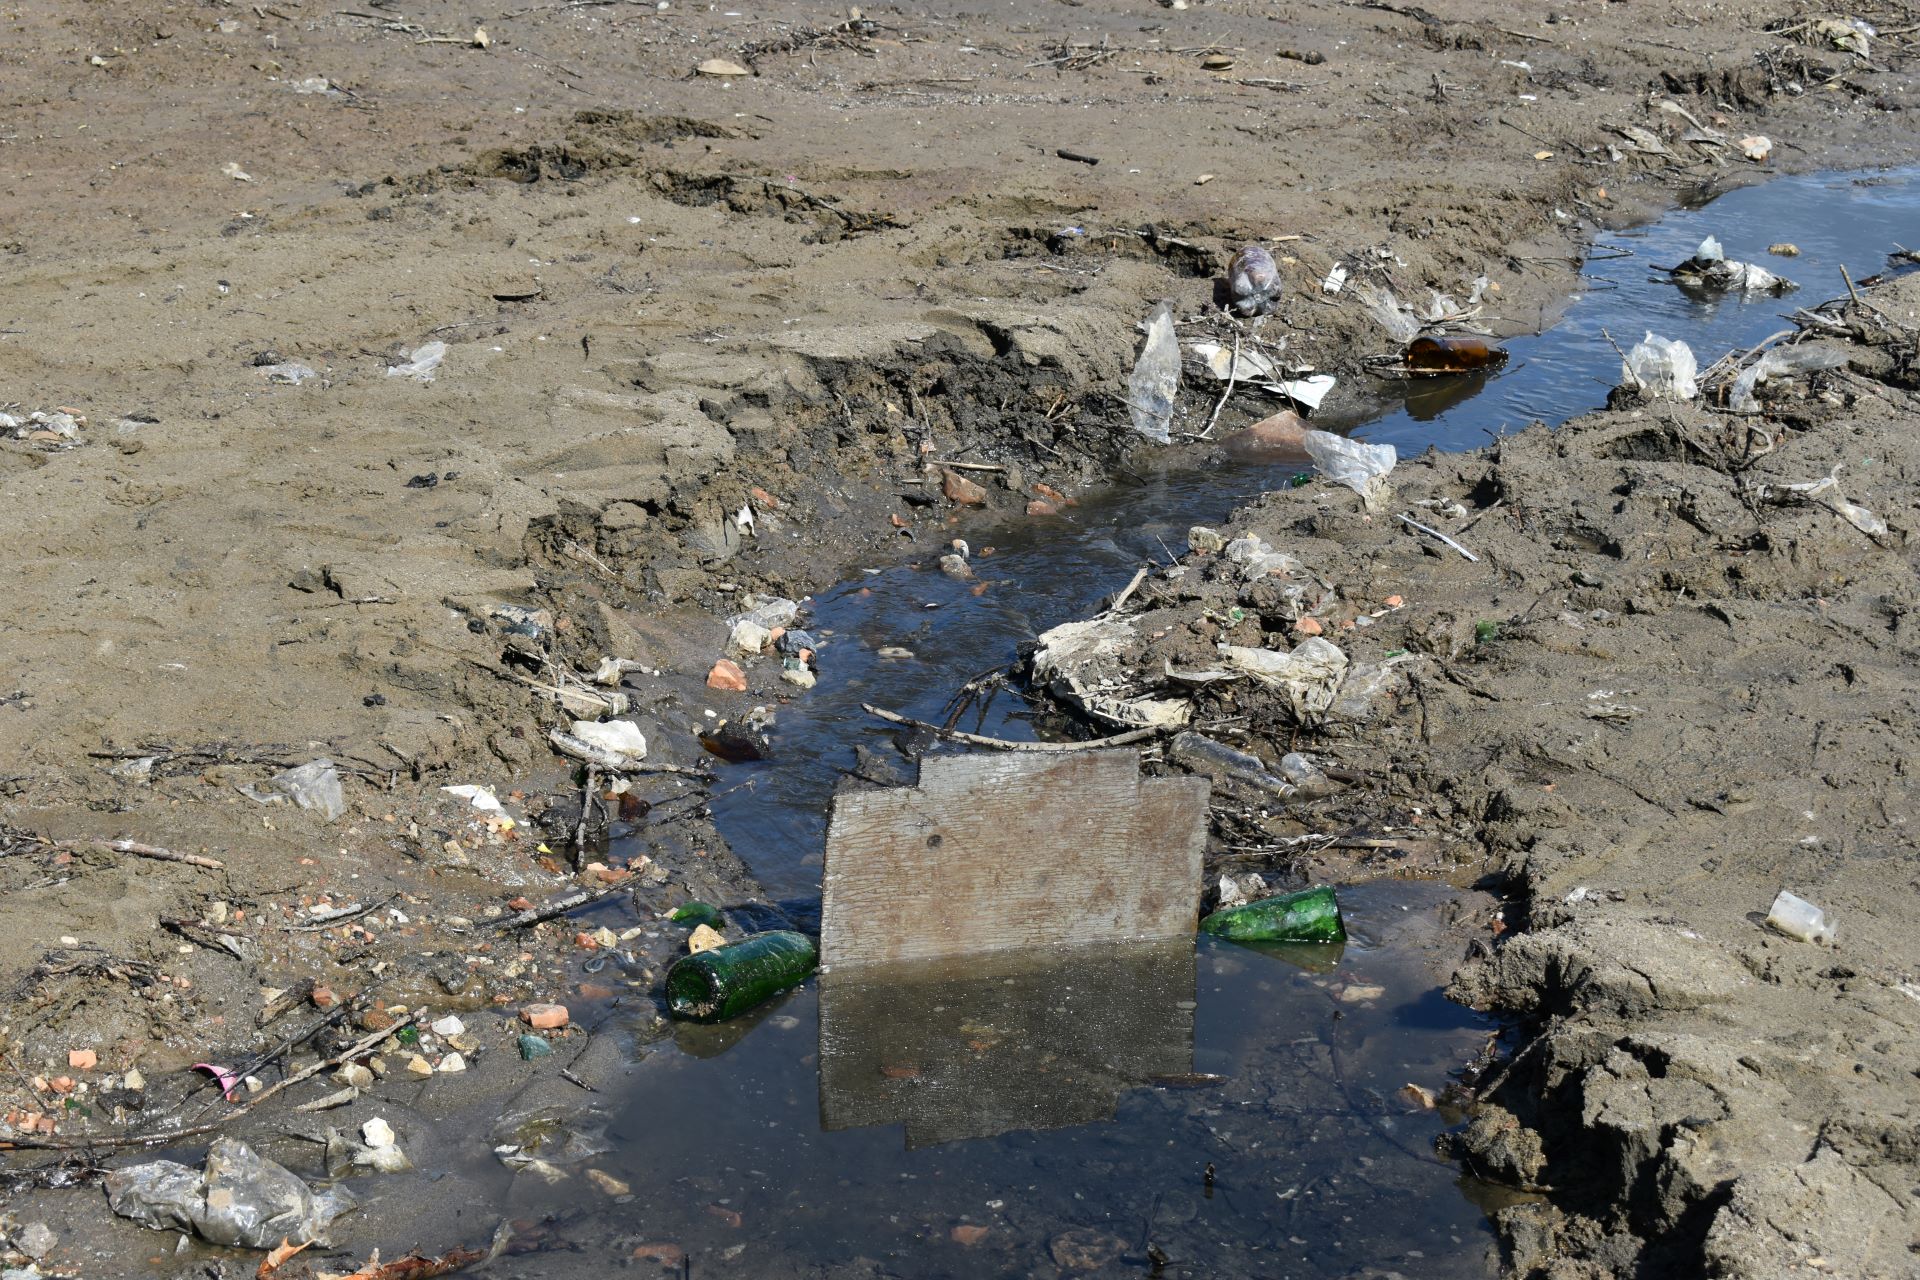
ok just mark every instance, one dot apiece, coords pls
pixel 1360 466
pixel 1156 378
pixel 239 1198
pixel 1664 369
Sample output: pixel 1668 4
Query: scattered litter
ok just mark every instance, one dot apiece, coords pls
pixel 721 68
pixel 1257 557
pixel 1309 916
pixel 1156 377
pixel 1826 492
pixel 1254 281
pixel 479 797
pixel 1431 357
pixel 1850 35
pixel 1805 358
pixel 1233 773
pixel 239 1198
pixel 1311 674
pixel 1756 148
pixel 1335 280
pixel 229 1081
pixel 289 374
pixel 1250 368
pixel 770 612
pixel 235 172
pixel 620 740
pixel 1356 464
pixel 1710 268
pixel 726 981
pixel 422 364
pixel 1661 368
pixel 1798 918
pixel 314 785
pixel 56 427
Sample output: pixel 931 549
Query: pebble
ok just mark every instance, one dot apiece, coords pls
pixel 82 1059
pixel 354 1076
pixel 448 1026
pixel 608 1183
pixel 669 1256
pixel 969 1233
pixel 452 1063
pixel 134 1080
pixel 704 938
pixel 726 674
pixel 532 1046
pixel 800 677
pixel 544 1017
pixel 419 1066
pixel 1308 627
pixel 377 1133
pixel 962 490
pixel 36 1239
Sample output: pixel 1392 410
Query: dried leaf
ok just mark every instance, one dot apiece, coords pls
pixel 277 1255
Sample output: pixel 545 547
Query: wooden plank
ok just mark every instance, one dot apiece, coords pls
pixel 997 853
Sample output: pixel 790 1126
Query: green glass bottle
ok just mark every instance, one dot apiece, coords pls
pixel 1311 916
pixel 712 986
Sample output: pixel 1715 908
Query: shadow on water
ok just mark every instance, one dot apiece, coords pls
pixel 1065 1106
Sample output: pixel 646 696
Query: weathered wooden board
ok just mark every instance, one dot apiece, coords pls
pixel 997 853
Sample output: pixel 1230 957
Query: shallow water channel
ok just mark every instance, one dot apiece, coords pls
pixel 1042 1122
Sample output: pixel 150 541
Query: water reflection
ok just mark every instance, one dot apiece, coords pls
pixel 953 1049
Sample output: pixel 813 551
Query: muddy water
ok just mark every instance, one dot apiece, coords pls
pixel 857 1131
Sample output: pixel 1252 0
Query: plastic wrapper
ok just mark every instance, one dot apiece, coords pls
pixel 239 1198
pixel 1360 466
pixel 1156 378
pixel 1662 368
pixel 1311 675
pixel 422 364
pixel 314 785
pixel 1780 362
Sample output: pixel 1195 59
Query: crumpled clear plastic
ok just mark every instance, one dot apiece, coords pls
pixel 1779 361
pixel 314 785
pixel 1156 377
pixel 239 1198
pixel 1311 675
pixel 1663 368
pixel 1360 466
pixel 422 364
pixel 1826 492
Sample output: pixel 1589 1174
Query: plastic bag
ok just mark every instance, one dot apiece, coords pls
pixel 1662 368
pixel 1781 360
pixel 1311 674
pixel 1156 377
pixel 1360 466
pixel 240 1198
pixel 314 785
pixel 1826 491
pixel 422 364
pixel 1387 310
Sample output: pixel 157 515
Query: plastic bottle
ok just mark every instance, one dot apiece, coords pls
pixel 712 986
pixel 1311 916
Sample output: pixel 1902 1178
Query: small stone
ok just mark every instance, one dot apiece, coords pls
pixel 1784 249
pixel 377 1133
pixel 961 490
pixel 134 1080
pixel 419 1066
pixel 1393 602
pixel 704 938
pixel 377 1065
pixel 669 1256
pixel 354 1076
pixel 606 937
pixel 608 1183
pixel 1205 541
pixel 82 1059
pixel 1041 507
pixel 452 1064
pixel 36 1240
pixel 799 677
pixel 61 1084
pixel 727 675
pixel 748 636
pixel 969 1234
pixel 1308 626
pixel 532 1046
pixel 324 998
pixel 544 1017
pixel 448 1026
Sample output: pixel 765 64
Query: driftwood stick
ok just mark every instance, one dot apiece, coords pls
pixel 1126 592
pixel 143 851
pixel 1435 533
pixel 164 1137
pixel 1003 744
pixel 559 907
